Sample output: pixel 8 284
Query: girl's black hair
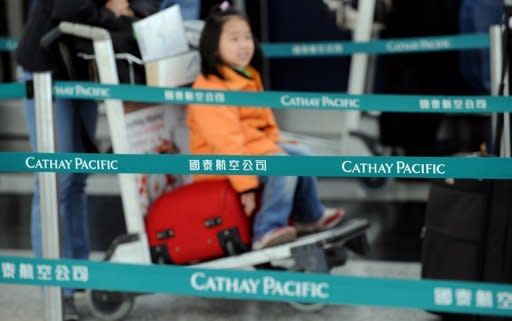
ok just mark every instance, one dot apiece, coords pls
pixel 209 42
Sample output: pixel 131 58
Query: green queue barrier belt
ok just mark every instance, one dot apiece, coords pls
pixel 273 99
pixel 442 296
pixel 328 166
pixel 11 91
pixel 388 46
pixel 8 44
pixel 344 48
pixel 446 296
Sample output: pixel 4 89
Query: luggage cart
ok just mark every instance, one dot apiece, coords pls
pixel 312 253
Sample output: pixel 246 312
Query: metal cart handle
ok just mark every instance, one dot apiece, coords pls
pixel 75 29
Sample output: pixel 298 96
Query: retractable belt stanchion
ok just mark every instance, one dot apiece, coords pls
pixel 508 78
pixel 496 64
pixel 50 214
pixel 500 47
pixel 358 69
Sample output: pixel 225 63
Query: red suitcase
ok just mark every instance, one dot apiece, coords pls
pixel 197 222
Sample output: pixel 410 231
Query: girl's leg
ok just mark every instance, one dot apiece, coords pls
pixel 276 204
pixel 306 205
pixel 308 212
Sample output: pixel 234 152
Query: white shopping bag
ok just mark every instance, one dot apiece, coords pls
pixel 174 71
pixel 161 35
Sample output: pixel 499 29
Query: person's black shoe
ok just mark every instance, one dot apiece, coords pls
pixel 70 312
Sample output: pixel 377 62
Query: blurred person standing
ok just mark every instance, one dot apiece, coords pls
pixel 75 120
pixel 477 16
pixel 190 9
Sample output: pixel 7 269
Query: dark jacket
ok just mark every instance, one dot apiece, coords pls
pixel 47 14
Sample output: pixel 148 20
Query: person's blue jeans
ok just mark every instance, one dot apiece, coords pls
pixel 478 16
pixel 73 120
pixel 287 196
pixel 189 8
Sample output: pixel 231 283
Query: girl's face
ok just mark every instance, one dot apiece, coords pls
pixel 236 45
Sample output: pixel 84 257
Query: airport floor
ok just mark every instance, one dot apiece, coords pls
pixel 395 247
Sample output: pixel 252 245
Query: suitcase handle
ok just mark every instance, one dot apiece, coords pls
pixel 167 234
pixel 213 222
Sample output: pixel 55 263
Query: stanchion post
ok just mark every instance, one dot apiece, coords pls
pixel 264 29
pixel 499 57
pixel 508 77
pixel 496 60
pixel 50 213
pixel 496 55
pixel 358 68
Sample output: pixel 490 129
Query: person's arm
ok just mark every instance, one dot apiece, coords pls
pixel 273 133
pixel 272 130
pixel 248 200
pixel 221 127
pixel 88 12
pixel 144 8
pixel 119 7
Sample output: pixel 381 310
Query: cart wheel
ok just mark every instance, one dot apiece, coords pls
pixel 109 306
pixel 306 307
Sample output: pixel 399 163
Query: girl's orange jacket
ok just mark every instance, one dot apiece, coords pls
pixel 230 130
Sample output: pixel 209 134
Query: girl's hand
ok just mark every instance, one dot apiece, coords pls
pixel 289 141
pixel 128 12
pixel 248 201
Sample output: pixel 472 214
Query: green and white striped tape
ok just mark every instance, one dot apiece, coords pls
pixel 8 44
pixel 387 46
pixel 273 99
pixel 442 296
pixel 329 166
pixel 344 48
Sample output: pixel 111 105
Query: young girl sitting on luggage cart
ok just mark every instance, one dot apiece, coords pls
pixel 229 56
